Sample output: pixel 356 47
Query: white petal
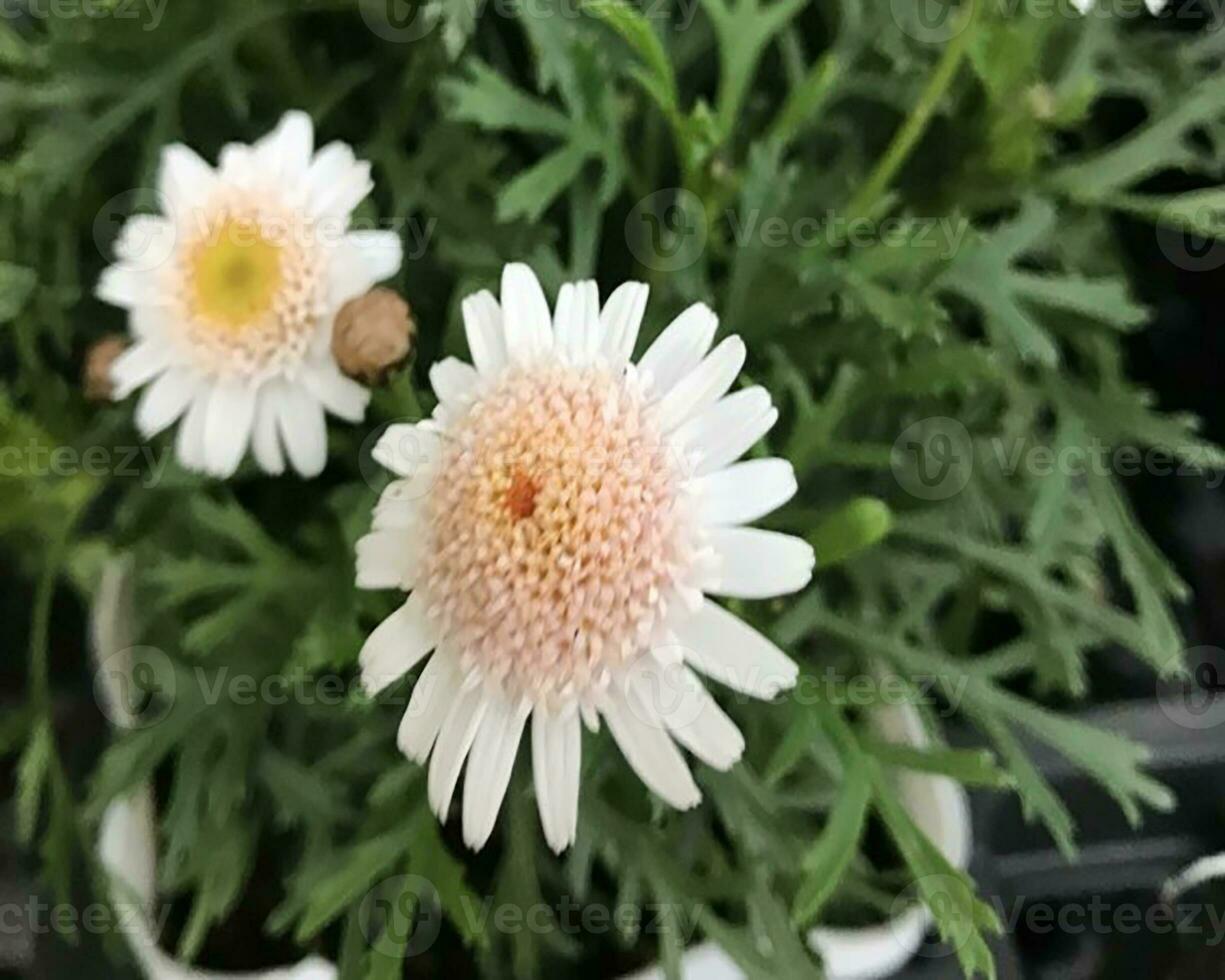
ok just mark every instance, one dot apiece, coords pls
pixel 227 431
pixel 184 183
pixel 650 751
pixel 620 321
pixel 389 559
pixel 398 508
pixel 165 400
pixel 189 441
pixel 410 450
pixel 525 314
pixel 265 440
pixel 723 646
pixel 489 769
pixel 1083 6
pixel 349 276
pixel 453 380
pixel 728 429
pixel 1156 6
pixel 557 745
pixel 152 323
pixel 433 695
pixel 141 362
pixel 127 286
pixel 454 740
pixel 680 348
pixel 340 395
pixel 483 325
pixel 576 321
pixel 300 421
pixel 396 646
pixel 336 181
pixel 146 242
pixel 742 493
pixel 702 386
pixel 690 713
pixel 758 564
pixel 237 164
pixel 381 252
pixel 285 153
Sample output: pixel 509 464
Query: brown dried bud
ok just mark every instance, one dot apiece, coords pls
pixel 373 335
pixel 96 375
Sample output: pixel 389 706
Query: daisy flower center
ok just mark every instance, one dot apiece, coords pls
pixel 553 530
pixel 251 288
pixel 236 273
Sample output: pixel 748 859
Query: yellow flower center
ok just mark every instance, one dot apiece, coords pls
pixel 236 273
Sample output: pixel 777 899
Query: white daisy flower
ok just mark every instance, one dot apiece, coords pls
pixel 557 521
pixel 231 293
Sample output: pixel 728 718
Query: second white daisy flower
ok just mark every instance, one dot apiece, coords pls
pixel 232 292
pixel 558 522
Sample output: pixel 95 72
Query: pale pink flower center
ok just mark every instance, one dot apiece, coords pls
pixel 554 535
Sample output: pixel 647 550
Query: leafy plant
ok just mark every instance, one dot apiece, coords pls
pixel 912 226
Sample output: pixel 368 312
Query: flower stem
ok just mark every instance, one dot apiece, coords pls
pixel 916 123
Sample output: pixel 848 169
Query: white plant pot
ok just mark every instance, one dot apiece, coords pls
pixel 939 807
pixel 127 842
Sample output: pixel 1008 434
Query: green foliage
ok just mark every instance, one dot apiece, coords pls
pixel 946 253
